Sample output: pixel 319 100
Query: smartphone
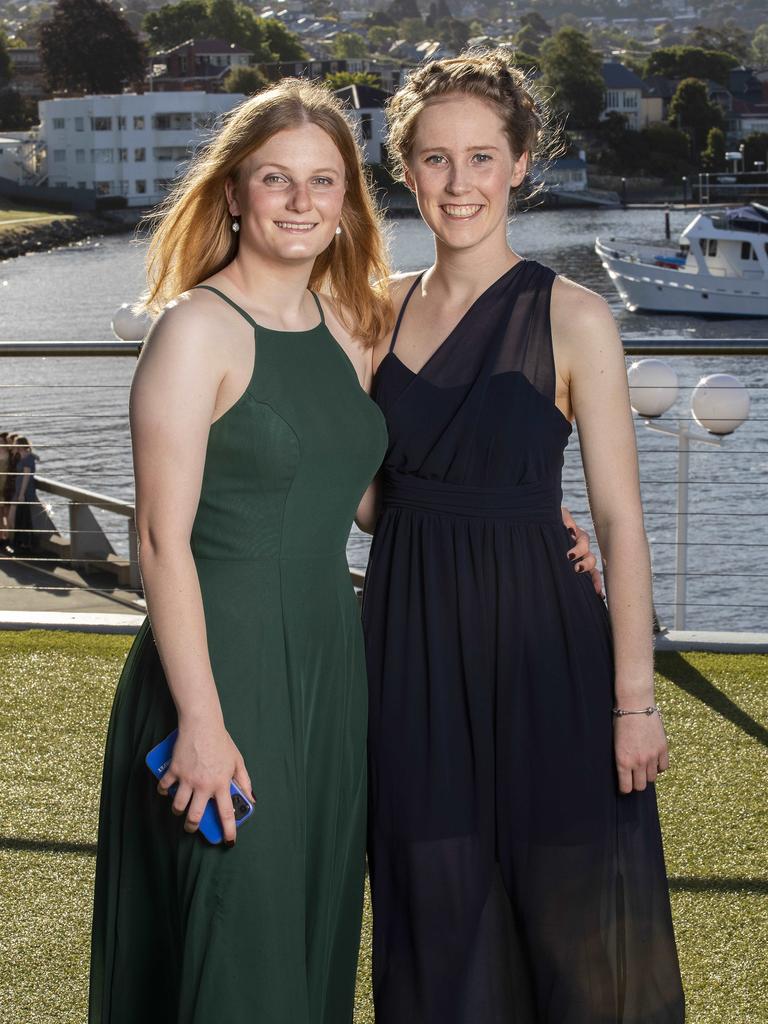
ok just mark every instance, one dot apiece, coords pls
pixel 158 761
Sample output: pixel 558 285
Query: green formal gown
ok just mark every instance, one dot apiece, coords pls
pixel 266 932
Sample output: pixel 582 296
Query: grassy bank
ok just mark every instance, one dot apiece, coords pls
pixel 55 692
pixel 15 218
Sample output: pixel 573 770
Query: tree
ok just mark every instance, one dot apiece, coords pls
pixel 283 44
pixel 349 44
pixel 412 30
pixel 247 80
pixel 573 71
pixel 728 38
pixel 17 113
pixel 453 33
pixel 713 156
pixel 5 61
pixel 400 9
pixel 89 47
pixel 759 51
pixel 230 20
pixel 665 151
pixel 692 111
pixel 381 37
pixel 341 79
pixel 174 23
pixel 690 62
pixel 756 150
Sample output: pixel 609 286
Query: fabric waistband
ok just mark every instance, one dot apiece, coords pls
pixel 536 502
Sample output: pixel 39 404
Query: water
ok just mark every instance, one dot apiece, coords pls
pixel 75 410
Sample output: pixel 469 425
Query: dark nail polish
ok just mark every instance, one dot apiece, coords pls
pixel 571 555
pixel 229 843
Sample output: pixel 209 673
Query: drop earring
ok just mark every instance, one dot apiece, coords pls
pixel 338 230
pixel 235 225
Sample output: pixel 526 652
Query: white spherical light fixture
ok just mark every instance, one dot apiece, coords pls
pixel 130 326
pixel 720 403
pixel 652 387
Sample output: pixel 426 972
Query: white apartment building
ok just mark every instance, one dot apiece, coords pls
pixel 130 145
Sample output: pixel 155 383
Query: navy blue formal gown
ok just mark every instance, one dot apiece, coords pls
pixel 512 883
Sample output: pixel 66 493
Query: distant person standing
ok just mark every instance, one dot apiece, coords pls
pixel 25 495
pixel 8 493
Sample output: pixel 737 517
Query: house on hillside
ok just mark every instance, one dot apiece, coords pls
pixel 196 64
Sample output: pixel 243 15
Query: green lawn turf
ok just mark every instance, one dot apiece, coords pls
pixel 15 217
pixel 55 692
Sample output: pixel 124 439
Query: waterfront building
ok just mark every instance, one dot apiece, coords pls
pixel 130 145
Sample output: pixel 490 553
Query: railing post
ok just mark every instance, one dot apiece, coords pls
pixel 681 560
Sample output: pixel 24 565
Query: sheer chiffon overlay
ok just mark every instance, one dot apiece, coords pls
pixel 511 881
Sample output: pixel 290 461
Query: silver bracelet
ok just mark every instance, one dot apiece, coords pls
pixel 620 712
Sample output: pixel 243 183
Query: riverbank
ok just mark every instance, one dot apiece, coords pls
pixel 41 231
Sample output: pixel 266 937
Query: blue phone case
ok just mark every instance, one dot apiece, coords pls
pixel 158 760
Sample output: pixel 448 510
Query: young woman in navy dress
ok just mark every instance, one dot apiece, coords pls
pixel 516 858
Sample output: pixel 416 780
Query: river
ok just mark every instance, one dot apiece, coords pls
pixel 74 410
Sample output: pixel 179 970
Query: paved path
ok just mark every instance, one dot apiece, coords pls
pixel 28 588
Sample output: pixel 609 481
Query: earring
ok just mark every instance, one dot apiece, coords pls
pixel 338 230
pixel 235 225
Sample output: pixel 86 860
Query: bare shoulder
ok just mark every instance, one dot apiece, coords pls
pixel 582 321
pixel 189 324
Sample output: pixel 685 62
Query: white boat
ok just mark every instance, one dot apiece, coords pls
pixel 720 267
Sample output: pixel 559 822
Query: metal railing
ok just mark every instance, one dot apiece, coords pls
pixel 86 546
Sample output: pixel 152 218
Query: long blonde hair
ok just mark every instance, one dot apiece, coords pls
pixel 192 237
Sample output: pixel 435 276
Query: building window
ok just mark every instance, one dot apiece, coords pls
pixel 122 155
pixel 103 188
pixel 630 100
pixel 101 124
pixel 59 184
pixel 81 184
pixel 139 155
pixel 747 251
pixel 138 123
pixel 79 124
pixel 172 122
pixel 123 188
pixel 58 124
pixel 103 156
pixel 163 184
pixel 365 126
pixel 79 156
pixel 60 155
pixel 141 186
pixel 122 123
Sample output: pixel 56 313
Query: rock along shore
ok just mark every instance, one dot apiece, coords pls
pixel 57 233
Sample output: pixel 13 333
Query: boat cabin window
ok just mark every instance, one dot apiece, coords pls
pixel 711 247
pixel 747 251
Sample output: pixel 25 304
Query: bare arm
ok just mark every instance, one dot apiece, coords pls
pixel 600 401
pixel 173 398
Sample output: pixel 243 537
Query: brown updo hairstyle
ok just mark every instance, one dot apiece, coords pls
pixel 192 238
pixel 489 75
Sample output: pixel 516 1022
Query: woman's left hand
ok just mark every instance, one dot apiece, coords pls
pixel 580 554
pixel 640 744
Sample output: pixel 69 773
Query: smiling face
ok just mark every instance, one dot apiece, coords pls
pixel 461 168
pixel 289 194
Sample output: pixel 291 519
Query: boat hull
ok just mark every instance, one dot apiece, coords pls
pixel 656 289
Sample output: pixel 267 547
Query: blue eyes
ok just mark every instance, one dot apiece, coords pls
pixel 480 158
pixel 278 179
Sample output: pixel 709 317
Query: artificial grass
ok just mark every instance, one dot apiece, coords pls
pixel 55 694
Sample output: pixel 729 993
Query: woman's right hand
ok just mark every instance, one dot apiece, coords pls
pixel 205 760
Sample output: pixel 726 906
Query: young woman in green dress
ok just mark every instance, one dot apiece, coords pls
pixel 253 442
